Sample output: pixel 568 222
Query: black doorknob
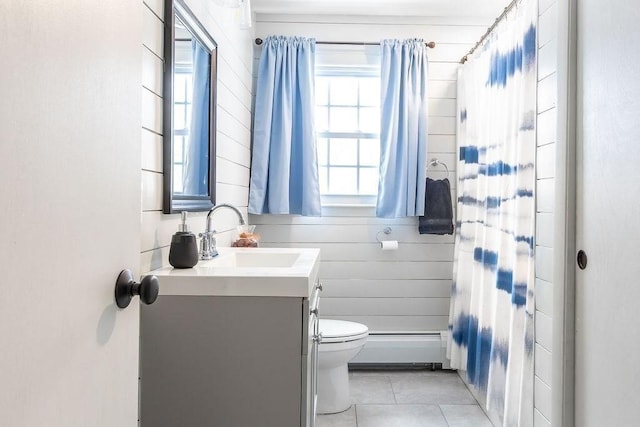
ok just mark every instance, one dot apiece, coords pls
pixel 127 288
pixel 581 258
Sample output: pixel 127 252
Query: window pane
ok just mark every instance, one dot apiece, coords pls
pixel 343 180
pixel 323 176
pixel 370 120
pixel 179 87
pixel 343 119
pixel 368 180
pixel 188 118
pixel 322 120
pixel 344 91
pixel 178 149
pixel 322 91
pixel 179 113
pixel 344 151
pixel 189 94
pixel 177 182
pixel 369 152
pixel 323 146
pixel 370 92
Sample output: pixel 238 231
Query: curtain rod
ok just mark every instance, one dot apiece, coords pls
pixel 428 44
pixel 489 30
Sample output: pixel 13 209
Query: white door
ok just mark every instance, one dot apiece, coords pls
pixel 608 290
pixel 70 211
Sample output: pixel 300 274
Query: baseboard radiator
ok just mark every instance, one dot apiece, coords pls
pixel 402 349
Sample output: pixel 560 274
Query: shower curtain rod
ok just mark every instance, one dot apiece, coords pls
pixel 489 30
pixel 428 44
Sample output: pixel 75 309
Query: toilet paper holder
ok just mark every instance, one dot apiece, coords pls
pixel 387 245
pixel 386 230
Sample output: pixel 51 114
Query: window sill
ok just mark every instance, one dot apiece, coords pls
pixel 348 200
pixel 348 205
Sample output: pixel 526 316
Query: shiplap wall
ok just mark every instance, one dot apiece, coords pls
pixel 235 57
pixel 407 289
pixel 545 195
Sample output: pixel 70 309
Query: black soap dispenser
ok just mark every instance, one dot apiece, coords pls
pixel 184 248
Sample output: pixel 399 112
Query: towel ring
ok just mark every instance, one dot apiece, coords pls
pixel 436 162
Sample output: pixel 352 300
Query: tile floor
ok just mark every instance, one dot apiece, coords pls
pixel 408 399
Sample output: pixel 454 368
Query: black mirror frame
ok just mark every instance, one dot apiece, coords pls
pixel 174 203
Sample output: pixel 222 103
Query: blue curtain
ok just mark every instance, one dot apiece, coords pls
pixel 492 300
pixel 284 167
pixel 403 128
pixel 196 168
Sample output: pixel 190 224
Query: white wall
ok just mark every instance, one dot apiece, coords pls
pixel 233 126
pixel 545 196
pixel 406 290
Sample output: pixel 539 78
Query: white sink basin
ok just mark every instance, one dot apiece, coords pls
pixel 283 272
pixel 256 260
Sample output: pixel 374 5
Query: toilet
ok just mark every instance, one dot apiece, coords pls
pixel 341 342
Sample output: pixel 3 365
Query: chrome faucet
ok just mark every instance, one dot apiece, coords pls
pixel 207 240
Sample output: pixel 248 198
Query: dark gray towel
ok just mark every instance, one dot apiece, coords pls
pixel 438 211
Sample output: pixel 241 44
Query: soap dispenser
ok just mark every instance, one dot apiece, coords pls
pixel 184 248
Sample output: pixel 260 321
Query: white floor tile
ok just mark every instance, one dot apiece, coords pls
pixel 431 388
pixel 408 398
pixel 371 390
pixel 343 419
pixel 465 416
pixel 400 416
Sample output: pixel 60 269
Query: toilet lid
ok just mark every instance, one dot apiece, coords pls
pixel 341 331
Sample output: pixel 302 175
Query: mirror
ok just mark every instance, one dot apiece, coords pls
pixel 190 56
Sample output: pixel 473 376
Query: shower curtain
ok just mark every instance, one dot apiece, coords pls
pixel 492 306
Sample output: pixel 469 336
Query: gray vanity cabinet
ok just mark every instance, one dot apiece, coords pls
pixel 225 361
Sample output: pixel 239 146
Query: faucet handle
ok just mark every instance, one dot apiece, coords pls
pixel 208 245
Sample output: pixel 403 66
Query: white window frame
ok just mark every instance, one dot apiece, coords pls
pixel 365 200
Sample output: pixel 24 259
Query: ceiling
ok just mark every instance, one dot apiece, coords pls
pixel 447 8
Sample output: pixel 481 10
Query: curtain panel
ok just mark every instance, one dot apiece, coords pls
pixel 284 167
pixel 403 128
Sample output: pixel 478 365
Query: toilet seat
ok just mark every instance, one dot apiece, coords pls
pixel 339 331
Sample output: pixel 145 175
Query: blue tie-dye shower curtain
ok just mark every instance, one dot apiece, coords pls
pixel 491 316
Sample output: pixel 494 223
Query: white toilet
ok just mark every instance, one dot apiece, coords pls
pixel 341 342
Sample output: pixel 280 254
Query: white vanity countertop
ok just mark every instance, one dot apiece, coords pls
pixel 275 272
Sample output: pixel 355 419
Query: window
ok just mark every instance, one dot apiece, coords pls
pixel 348 133
pixel 182 93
